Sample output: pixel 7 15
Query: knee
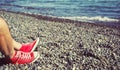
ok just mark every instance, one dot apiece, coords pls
pixel 2 26
pixel 2 22
pixel 1 19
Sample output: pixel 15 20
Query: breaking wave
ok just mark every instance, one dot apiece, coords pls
pixel 92 19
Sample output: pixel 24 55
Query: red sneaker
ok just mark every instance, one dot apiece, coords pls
pixel 24 57
pixel 29 47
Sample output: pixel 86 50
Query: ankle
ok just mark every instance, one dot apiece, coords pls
pixel 12 54
pixel 17 45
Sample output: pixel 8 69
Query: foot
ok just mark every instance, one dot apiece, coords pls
pixel 29 47
pixel 24 57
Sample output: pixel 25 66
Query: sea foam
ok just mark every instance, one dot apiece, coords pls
pixel 92 19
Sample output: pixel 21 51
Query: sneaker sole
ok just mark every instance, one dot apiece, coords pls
pixel 37 41
pixel 35 58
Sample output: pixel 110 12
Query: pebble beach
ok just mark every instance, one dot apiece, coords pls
pixel 65 44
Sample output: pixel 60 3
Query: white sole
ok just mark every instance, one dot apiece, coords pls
pixel 37 41
pixel 36 58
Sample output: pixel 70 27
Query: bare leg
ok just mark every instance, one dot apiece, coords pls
pixel 7 45
pixel 6 41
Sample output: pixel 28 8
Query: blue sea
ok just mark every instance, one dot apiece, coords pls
pixel 100 11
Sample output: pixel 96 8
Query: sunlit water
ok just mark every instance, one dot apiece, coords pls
pixel 101 11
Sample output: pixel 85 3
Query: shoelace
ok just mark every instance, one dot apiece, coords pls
pixel 23 55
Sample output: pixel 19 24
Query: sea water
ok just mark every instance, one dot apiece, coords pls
pixel 100 11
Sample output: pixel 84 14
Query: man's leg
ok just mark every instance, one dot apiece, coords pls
pixel 6 41
pixel 4 33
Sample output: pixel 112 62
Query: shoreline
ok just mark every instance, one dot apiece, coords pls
pixel 65 44
pixel 62 20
